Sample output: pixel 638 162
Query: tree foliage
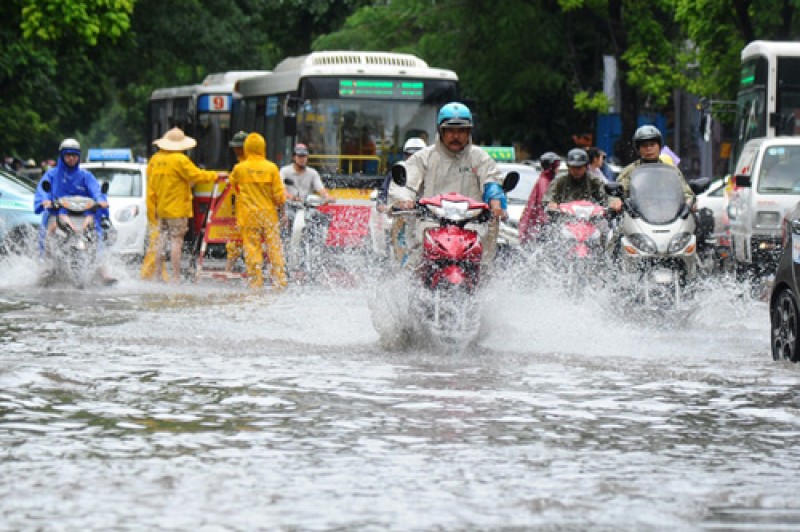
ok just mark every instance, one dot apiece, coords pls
pixel 533 67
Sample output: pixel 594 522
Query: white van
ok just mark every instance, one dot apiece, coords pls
pixel 766 186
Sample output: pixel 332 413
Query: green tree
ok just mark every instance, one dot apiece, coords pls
pixel 516 76
pixel 49 76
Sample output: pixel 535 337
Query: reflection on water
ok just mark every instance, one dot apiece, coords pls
pixel 204 407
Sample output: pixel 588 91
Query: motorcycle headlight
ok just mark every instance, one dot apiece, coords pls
pixel 127 214
pixel 641 243
pixel 679 242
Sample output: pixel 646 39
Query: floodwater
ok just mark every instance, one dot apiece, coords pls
pixel 207 407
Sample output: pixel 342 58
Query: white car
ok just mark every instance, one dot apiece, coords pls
pixel 127 200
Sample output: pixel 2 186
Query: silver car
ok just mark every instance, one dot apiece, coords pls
pixel 19 226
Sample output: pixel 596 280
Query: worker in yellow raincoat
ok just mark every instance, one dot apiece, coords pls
pixel 171 175
pixel 259 195
pixel 233 249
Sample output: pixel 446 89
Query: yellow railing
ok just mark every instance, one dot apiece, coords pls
pixel 344 163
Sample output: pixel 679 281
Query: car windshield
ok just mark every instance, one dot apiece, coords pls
pixel 11 184
pixel 122 182
pixel 656 192
pixel 778 174
pixel 527 180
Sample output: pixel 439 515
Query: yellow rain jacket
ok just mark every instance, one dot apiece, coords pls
pixel 259 193
pixel 258 185
pixel 170 177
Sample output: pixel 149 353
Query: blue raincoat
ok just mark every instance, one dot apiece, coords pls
pixel 66 181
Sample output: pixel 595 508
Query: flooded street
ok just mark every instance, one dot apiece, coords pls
pixel 205 407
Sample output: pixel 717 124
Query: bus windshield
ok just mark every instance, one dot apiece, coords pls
pixel 359 126
pixel 361 136
pixel 768 101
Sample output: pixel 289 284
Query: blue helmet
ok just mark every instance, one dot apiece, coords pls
pixel 454 114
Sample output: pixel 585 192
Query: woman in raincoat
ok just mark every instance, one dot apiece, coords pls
pixel 259 194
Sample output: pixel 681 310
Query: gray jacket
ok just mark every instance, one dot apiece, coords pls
pixel 437 170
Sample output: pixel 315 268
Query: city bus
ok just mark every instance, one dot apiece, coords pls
pixel 203 111
pixel 354 111
pixel 768 100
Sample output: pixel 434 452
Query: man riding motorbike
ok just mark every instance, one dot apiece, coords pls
pixel 68 179
pixel 648 142
pixel 577 184
pixel 453 164
pixel 397 238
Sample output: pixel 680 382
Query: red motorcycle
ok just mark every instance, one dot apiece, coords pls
pixel 577 242
pixel 448 273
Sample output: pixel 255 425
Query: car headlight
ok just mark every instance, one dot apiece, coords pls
pixel 127 214
pixel 679 242
pixel 641 243
pixel 767 219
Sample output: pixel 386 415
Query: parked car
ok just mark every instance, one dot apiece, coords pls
pixel 19 226
pixel 766 186
pixel 127 200
pixel 783 303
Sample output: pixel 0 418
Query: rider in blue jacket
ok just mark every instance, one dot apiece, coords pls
pixel 69 179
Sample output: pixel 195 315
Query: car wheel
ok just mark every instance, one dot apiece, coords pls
pixel 784 317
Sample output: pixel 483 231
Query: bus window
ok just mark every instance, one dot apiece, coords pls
pixel 788 96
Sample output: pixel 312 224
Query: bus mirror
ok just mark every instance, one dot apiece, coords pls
pixel 290 125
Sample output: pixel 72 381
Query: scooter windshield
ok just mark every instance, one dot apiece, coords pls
pixel 656 192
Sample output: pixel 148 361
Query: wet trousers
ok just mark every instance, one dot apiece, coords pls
pixel 252 238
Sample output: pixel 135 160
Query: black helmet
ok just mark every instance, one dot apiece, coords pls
pixel 647 132
pixel 547 159
pixel 577 157
pixel 237 141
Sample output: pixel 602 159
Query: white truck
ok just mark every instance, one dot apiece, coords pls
pixel 766 185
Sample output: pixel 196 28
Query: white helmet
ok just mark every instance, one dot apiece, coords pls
pixel 69 144
pixel 413 145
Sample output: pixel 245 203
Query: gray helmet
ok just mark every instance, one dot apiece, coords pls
pixel 70 144
pixel 548 159
pixel 647 132
pixel 237 141
pixel 577 157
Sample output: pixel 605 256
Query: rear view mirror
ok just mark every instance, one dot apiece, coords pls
pixel 46 186
pixel 700 184
pixel 511 181
pixel 104 187
pixel 744 181
pixel 399 174
pixel 614 189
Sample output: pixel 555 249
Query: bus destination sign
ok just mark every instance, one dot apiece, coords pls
pixel 394 89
